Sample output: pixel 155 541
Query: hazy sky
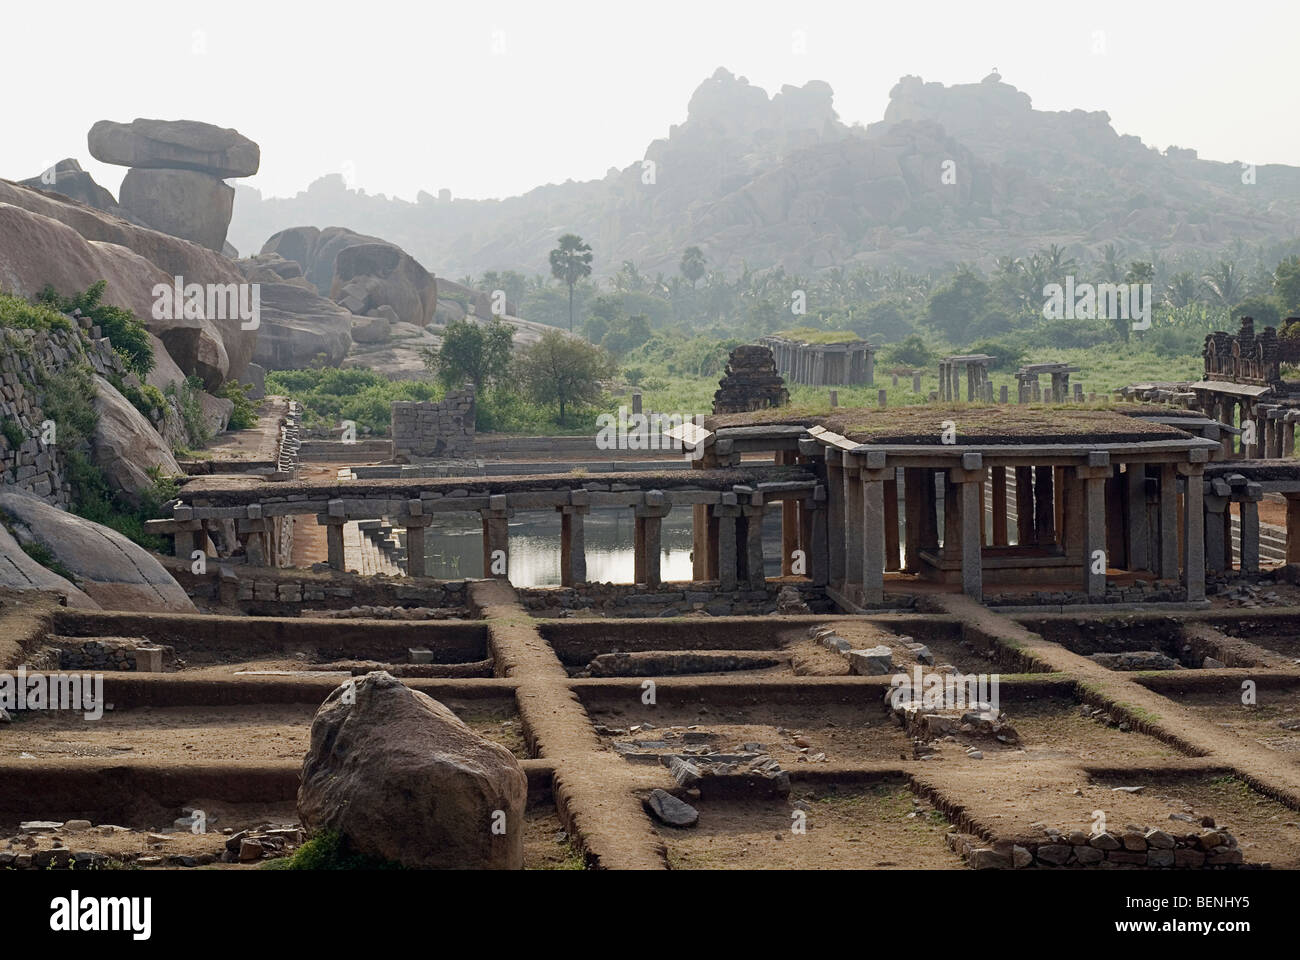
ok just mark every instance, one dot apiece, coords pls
pixel 489 99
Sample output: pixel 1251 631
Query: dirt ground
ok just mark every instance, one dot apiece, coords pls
pixel 1260 723
pixel 881 827
pixel 255 732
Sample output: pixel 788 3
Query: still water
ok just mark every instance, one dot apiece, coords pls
pixel 454 547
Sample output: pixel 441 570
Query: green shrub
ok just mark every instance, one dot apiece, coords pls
pixel 329 851
pixel 43 555
pixel 244 414
pixel 13 433
pixel 128 335
pixel 189 398
pixel 16 313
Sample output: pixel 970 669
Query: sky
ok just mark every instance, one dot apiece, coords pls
pixel 491 98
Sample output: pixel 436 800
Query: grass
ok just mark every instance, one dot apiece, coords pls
pixel 45 557
pixel 17 314
pixel 813 335
pixel 328 851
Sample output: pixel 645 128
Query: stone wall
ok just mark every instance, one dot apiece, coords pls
pixel 670 600
pixel 444 430
pixel 1205 848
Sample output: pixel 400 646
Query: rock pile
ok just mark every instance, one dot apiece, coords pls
pixel 1134 847
pixel 178 168
pixel 751 382
pixel 110 653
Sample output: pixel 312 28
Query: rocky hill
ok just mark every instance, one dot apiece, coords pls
pixel 951 173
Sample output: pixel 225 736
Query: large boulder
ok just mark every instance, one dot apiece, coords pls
pixel 185 203
pixel 114 572
pixel 18 571
pixel 170 256
pixel 68 179
pixel 175 145
pixel 301 328
pixel 126 446
pixel 372 275
pixel 401 778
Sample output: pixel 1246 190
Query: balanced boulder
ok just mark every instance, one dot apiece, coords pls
pixel 400 778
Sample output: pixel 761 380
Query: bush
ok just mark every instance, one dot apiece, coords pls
pixel 189 398
pixel 1007 355
pixel 331 395
pixel 128 335
pixel 17 314
pixel 43 555
pixel 244 414
pixel 911 352
pixel 329 851
pixel 13 433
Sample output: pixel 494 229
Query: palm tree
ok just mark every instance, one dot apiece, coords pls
pixel 570 262
pixel 1111 271
pixel 692 266
pixel 1181 290
pixel 1140 271
pixel 1224 284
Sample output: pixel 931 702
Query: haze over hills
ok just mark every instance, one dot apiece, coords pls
pixel 960 173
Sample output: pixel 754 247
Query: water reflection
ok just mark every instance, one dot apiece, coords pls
pixel 454 546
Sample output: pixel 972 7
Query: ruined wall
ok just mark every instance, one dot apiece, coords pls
pixel 444 430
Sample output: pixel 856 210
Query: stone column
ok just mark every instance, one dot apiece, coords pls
pixel 1026 523
pixel 1293 527
pixel 334 543
pixel 1167 558
pixel 496 537
pixel 914 502
pixel 649 537
pixel 873 542
pixel 818 537
pixel 1000 537
pixel 891 520
pixel 1044 505
pixel 415 527
pixel 1288 433
pixel 1226 415
pixel 1217 516
pixel 1249 509
pixel 789 527
pixel 835 519
pixel 573 544
pixel 726 514
pixel 1193 531
pixel 752 516
pixel 1094 478
pixel 854 534
pixel 1138 535
pixel 965 483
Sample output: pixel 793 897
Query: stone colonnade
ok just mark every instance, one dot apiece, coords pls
pixel 823 364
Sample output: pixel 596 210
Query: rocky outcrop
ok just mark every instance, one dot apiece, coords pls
pixel 372 275
pixel 109 568
pixel 300 328
pixel 402 779
pixel 175 145
pixel 362 273
pixel 34 251
pixel 68 179
pixel 184 203
pixel 126 446
pixel 177 171
pixel 18 571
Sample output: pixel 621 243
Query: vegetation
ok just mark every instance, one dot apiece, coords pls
pixel 18 314
pixel 563 371
pixel 45 557
pixel 328 851
pixel 13 433
pixel 473 352
pixel 331 396
pixel 189 398
pixel 570 262
pixel 128 335
pixel 244 413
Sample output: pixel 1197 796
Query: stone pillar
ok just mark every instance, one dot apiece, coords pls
pixel 789 521
pixel 873 542
pixel 1293 528
pixel 1288 433
pixel 965 484
pixel 1249 510
pixel 647 548
pixel 415 566
pixel 752 516
pixel 334 543
pixel 854 534
pixel 496 537
pixel 1044 505
pixel 914 503
pixel 1094 526
pixel 835 518
pixel 818 537
pixel 573 545
pixel 1026 524
pixel 1193 531
pixel 1167 558
pixel 1000 538
pixel 1137 533
pixel 728 562
pixel 891 520
pixel 1217 515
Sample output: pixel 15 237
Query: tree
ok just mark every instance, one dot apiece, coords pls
pixel 1181 290
pixel 1224 283
pixel 1111 271
pixel 954 307
pixel 1286 285
pixel 1139 272
pixel 473 351
pixel 563 370
pixel 692 266
pixel 1263 310
pixel 570 262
